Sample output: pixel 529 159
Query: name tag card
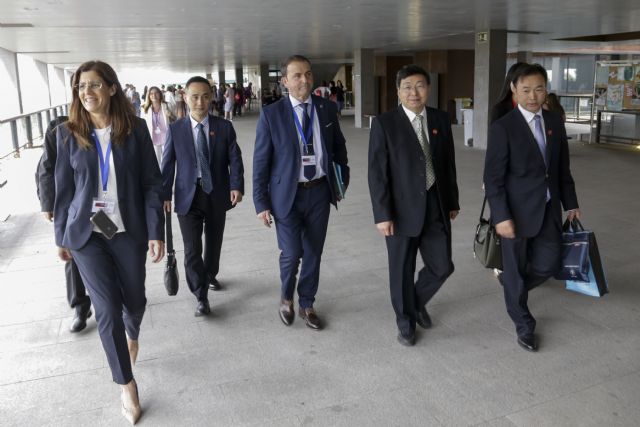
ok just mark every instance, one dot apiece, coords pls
pixel 106 205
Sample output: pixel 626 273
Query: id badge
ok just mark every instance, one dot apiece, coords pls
pixel 105 205
pixel 308 160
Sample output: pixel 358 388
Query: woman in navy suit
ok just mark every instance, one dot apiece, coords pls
pixel 106 162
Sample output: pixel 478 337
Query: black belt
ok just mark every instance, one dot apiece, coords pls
pixel 312 183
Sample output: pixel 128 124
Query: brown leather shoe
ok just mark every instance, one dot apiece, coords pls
pixel 311 318
pixel 286 312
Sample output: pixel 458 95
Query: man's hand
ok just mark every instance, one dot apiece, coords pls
pixel 156 250
pixel 167 205
pixel 64 254
pixel 506 229
pixel 453 214
pixel 265 217
pixel 385 228
pixel 574 214
pixel 236 197
pixel 48 216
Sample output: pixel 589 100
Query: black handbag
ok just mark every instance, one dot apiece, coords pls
pixel 575 252
pixel 486 242
pixel 171 278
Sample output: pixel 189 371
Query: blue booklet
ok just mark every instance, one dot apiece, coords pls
pixel 337 172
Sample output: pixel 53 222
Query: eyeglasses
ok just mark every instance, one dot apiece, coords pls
pixel 90 85
pixel 409 89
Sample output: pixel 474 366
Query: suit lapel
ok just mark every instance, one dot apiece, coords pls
pixel 549 137
pixel 323 121
pixel 290 124
pixel 187 139
pixel 212 138
pixel 433 133
pixel 117 151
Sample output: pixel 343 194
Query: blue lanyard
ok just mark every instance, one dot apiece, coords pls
pixel 104 162
pixel 309 134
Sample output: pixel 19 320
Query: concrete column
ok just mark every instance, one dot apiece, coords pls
pixel 264 82
pixel 221 77
pixel 490 65
pixel 556 74
pixel 239 76
pixel 9 89
pixel 523 56
pixel 364 86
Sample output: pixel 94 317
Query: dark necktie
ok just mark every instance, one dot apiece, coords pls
pixel 203 160
pixel 309 170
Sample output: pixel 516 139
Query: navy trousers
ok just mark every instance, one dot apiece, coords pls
pixel 408 295
pixel 301 235
pixel 203 214
pixel 114 273
pixel 527 263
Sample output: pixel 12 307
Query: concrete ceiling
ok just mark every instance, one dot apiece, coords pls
pixel 199 35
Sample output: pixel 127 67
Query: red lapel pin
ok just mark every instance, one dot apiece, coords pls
pixel 212 133
pixel 549 132
pixel 434 131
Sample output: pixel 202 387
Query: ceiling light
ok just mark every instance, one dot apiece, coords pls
pixel 16 25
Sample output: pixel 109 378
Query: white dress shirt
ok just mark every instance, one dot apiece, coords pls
pixel 317 137
pixel 411 115
pixel 104 137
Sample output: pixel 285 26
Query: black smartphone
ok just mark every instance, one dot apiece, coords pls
pixel 104 224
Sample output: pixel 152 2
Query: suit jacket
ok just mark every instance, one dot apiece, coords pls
pixel 276 157
pixel 500 109
pixel 515 175
pixel 139 188
pixel 225 160
pixel 45 175
pixel 397 170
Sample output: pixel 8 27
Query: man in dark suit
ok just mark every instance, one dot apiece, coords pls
pixel 527 182
pixel 414 193
pixel 209 181
pixel 45 181
pixel 298 141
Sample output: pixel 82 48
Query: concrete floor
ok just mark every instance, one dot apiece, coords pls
pixel 241 366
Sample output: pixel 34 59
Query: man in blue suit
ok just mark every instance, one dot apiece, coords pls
pixel 527 182
pixel 298 143
pixel 209 181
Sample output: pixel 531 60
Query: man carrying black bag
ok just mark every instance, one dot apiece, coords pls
pixel 528 181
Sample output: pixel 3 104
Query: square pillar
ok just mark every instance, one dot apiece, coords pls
pixel 364 87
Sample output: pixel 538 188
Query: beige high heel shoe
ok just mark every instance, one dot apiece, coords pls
pixel 130 402
pixel 133 350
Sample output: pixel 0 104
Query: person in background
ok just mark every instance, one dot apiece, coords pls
pixel 229 99
pixel 45 181
pixel 106 169
pixel 552 103
pixel 135 101
pixel 180 106
pixel 340 96
pixel 506 100
pixel 158 116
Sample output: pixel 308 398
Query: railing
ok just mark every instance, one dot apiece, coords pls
pixel 22 132
pixel 577 108
pixel 622 127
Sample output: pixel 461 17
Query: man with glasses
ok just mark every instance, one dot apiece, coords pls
pixel 202 153
pixel 414 193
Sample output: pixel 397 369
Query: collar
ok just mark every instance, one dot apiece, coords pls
pixel 295 102
pixel 194 122
pixel 411 115
pixel 528 115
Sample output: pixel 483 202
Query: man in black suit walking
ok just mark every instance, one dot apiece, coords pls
pixel 414 193
pixel 527 182
pixel 45 181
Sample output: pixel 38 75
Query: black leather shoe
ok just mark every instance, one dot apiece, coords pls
pixel 203 308
pixel 423 319
pixel 407 340
pixel 528 342
pixel 286 312
pixel 83 312
pixel 214 285
pixel 311 318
